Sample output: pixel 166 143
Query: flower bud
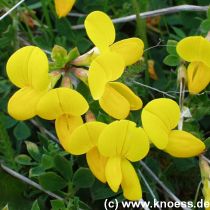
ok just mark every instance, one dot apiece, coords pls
pixel 87 58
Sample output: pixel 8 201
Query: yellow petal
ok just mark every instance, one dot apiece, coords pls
pixel 63 7
pixel 130 182
pixel 155 129
pixel 97 80
pixel 194 48
pixel 136 144
pixel 131 49
pixel 106 67
pixel 114 104
pixel 65 125
pixel 97 163
pixel 22 105
pixel 166 109
pixel 112 138
pixel 122 138
pixel 183 144
pixel 132 98
pixel 61 101
pixel 100 29
pixel 198 75
pixel 23 69
pixel 85 137
pixel 113 173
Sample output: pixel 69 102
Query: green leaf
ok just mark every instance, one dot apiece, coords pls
pixel 22 131
pixel 57 205
pixel 47 161
pixel 58 54
pixel 51 181
pixel 8 121
pixel 23 159
pixel 83 178
pixel 12 193
pixel 101 191
pixel 73 54
pixel 35 206
pixel 171 47
pixel 63 166
pixel 171 60
pixel 179 32
pixel 205 26
pixel 33 150
pixel 36 171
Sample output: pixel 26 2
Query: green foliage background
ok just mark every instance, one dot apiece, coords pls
pixel 25 148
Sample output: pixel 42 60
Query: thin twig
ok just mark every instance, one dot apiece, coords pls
pixel 155 89
pixel 74 14
pixel 148 187
pixel 170 193
pixel 168 10
pixel 11 10
pixel 30 182
pixel 42 129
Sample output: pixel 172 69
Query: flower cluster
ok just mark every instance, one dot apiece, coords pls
pixel 109 148
pixel 196 51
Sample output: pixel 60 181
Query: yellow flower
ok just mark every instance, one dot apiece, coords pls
pixel 65 106
pixel 115 98
pixel 159 118
pixel 196 50
pixel 109 148
pixel 101 32
pixel 63 7
pixel 84 139
pixel 27 68
pixel 122 142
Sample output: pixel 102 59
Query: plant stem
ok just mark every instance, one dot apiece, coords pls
pixel 142 31
pixel 30 182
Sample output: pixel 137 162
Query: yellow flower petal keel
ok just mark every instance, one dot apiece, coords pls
pixel 183 144
pixel 130 182
pixel 85 137
pixel 130 49
pixel 22 105
pixel 132 98
pixel 198 75
pixel 114 104
pixel 65 125
pixel 97 163
pixel 113 173
pixel 63 7
pixel 100 29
